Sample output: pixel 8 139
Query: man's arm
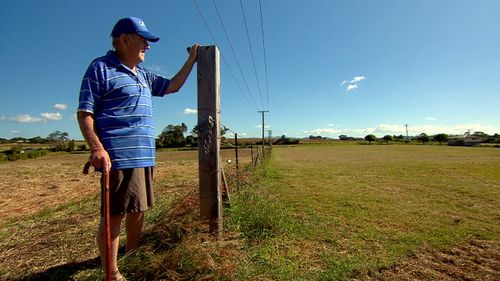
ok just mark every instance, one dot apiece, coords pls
pixel 99 157
pixel 180 78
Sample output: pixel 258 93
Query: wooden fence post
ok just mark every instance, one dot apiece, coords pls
pixel 209 137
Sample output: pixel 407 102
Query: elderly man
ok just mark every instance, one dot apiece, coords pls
pixel 115 117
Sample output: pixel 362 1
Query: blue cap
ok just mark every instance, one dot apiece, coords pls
pixel 133 25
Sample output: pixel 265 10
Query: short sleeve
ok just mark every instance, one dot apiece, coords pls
pixel 90 90
pixel 158 83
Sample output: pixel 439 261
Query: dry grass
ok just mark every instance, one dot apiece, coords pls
pixel 311 213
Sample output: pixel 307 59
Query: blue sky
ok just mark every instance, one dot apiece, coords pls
pixel 334 67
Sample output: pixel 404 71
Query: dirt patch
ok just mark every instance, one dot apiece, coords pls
pixel 476 260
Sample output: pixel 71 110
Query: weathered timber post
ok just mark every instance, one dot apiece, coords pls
pixel 209 137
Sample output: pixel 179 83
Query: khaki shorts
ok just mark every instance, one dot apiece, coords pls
pixel 130 190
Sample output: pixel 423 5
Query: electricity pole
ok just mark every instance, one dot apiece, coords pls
pixel 407 139
pixel 262 112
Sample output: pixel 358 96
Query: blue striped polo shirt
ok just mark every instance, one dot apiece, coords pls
pixel 121 102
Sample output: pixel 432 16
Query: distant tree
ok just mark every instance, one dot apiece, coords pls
pixel 399 138
pixel 388 138
pixel 18 139
pixel 71 146
pixel 343 137
pixel 370 138
pixel 58 140
pixel 194 131
pixel 441 138
pixel 38 139
pixel 172 136
pixel 424 138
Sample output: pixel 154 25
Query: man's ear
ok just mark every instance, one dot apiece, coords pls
pixel 123 38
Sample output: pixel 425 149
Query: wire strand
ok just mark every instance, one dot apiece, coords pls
pixel 233 52
pixel 265 57
pixel 222 56
pixel 251 53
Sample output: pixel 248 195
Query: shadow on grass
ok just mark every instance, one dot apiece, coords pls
pixel 64 271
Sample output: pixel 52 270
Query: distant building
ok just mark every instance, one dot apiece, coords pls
pixel 466 140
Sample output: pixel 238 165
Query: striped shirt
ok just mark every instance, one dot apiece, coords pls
pixel 121 102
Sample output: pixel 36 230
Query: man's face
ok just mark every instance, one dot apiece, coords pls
pixel 136 48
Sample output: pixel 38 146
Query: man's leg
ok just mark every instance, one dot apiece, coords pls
pixel 115 222
pixel 133 226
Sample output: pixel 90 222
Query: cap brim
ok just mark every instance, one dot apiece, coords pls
pixel 149 36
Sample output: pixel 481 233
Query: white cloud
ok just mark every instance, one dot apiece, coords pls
pixel 15 131
pixel 160 69
pixel 430 118
pixel 188 111
pixel 399 129
pixel 323 131
pixel 52 116
pixel 351 87
pixel 2 117
pixel 343 82
pixel 60 106
pixel 357 79
pixel 265 126
pixel 26 118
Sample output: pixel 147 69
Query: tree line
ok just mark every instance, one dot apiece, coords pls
pixel 424 138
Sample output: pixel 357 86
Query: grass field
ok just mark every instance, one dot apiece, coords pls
pixel 359 211
pixel 313 212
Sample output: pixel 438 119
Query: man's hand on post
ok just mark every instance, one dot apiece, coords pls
pixel 193 52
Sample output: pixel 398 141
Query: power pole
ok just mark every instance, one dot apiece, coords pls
pixel 407 138
pixel 262 112
pixel 269 136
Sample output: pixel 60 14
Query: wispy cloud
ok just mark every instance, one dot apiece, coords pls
pixel 265 126
pixel 26 118
pixel 351 87
pixel 188 111
pixel 399 129
pixel 3 117
pixel 430 118
pixel 15 131
pixel 323 131
pixel 357 79
pixel 353 84
pixel 60 106
pixel 46 116
pixel 160 69
pixel 52 116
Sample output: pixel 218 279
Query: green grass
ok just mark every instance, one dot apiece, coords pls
pixel 366 207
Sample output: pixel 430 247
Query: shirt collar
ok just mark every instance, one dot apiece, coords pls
pixel 113 58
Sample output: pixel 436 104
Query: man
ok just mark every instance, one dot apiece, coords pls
pixel 115 117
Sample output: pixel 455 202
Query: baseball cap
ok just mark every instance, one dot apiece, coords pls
pixel 133 25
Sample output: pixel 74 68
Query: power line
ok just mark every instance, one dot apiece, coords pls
pixel 251 52
pixel 234 53
pixel 223 58
pixel 264 47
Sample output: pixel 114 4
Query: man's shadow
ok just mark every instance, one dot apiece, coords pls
pixel 63 271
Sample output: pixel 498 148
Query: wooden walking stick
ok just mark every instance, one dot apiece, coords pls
pixel 107 225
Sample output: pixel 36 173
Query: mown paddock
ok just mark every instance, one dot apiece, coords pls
pixel 353 211
pixel 363 209
pixel 41 198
